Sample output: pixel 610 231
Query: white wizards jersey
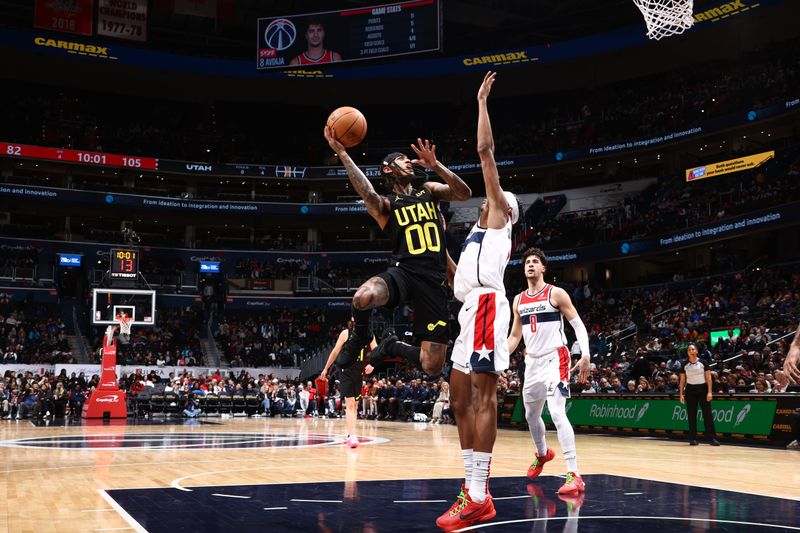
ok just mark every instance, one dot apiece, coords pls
pixel 484 256
pixel 542 323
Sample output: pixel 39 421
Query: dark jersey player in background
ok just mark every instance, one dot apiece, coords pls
pixel 418 274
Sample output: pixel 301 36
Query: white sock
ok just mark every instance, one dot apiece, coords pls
pixel 572 466
pixel 480 476
pixel 467 455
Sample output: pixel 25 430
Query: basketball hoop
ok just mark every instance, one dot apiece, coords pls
pixel 125 323
pixel 666 17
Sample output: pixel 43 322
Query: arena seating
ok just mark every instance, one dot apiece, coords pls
pixel 33 335
pixel 671 204
pixel 217 132
pixel 174 341
pixel 280 337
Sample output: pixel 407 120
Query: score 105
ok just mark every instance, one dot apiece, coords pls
pixel 95 158
pixel 124 263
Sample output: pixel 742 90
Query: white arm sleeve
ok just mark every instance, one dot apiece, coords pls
pixel 582 335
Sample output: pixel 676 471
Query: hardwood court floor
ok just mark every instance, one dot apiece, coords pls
pixel 55 478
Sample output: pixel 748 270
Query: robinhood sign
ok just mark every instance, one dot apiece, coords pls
pixel 730 416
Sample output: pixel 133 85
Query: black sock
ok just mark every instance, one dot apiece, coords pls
pixel 361 319
pixel 406 351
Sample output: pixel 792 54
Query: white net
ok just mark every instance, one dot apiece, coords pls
pixel 125 323
pixel 666 17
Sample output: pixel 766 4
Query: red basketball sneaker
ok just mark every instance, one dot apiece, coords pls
pixel 465 512
pixel 453 508
pixel 538 463
pixel 573 485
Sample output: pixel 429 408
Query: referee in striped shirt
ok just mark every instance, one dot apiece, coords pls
pixel 695 388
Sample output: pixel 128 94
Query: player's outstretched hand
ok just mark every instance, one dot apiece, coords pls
pixel 583 369
pixel 486 86
pixel 426 153
pixel 336 145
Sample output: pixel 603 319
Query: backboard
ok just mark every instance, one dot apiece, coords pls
pixel 107 304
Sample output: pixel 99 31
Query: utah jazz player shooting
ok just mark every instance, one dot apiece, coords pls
pixel 411 218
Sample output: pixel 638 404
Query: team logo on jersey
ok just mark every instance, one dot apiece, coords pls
pixel 535 309
pixel 433 326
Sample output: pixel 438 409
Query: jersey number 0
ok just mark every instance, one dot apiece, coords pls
pixel 423 238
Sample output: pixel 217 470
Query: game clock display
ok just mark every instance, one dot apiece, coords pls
pixel 124 263
pixel 82 157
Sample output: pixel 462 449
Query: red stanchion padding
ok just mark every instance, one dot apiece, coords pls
pixel 107 401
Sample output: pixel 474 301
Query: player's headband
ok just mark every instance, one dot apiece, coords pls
pixel 389 159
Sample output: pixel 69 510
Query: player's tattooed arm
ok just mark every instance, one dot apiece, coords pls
pixel 455 188
pixel 372 200
pixel 375 203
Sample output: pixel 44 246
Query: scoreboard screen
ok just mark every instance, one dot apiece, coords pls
pixel 314 39
pixel 124 263
pixel 78 156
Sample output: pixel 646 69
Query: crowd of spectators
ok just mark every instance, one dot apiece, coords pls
pixel 638 339
pixel 639 336
pixel 258 268
pixel 399 396
pixel 173 341
pixel 33 335
pixel 25 395
pixel 276 337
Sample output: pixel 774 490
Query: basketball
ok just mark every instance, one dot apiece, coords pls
pixel 349 125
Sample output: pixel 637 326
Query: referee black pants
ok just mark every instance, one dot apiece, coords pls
pixel 695 394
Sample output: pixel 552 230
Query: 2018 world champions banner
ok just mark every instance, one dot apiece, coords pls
pixel 75 16
pixel 348 35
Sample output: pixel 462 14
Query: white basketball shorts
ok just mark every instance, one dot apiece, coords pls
pixel 546 374
pixel 482 345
